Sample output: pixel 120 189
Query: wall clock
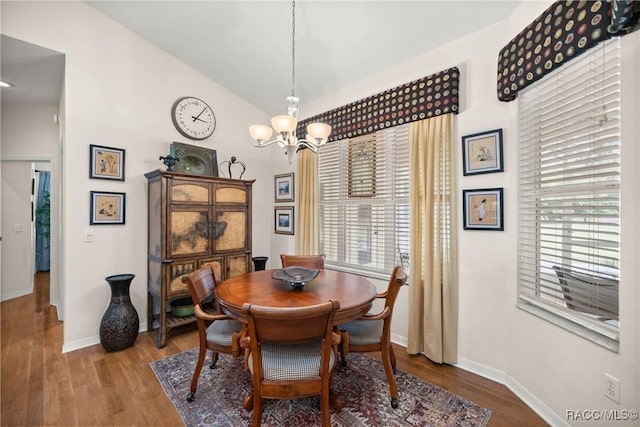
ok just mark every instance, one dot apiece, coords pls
pixel 193 118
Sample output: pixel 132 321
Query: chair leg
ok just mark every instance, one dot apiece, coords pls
pixel 393 358
pixel 324 411
pixel 247 402
pixel 196 374
pixel 257 411
pixel 388 369
pixel 214 359
pixel 344 347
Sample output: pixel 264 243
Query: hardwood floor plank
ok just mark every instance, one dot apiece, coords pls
pixel 90 387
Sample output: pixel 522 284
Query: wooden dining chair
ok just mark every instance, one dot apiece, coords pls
pixel 306 261
pixel 373 332
pixel 217 332
pixel 292 354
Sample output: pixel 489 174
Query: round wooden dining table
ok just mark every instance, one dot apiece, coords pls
pixel 355 293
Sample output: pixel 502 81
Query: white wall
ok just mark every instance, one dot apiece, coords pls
pixel 118 92
pixel 28 134
pixel 551 369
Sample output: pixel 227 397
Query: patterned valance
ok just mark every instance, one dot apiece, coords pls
pixel 423 98
pixel 625 15
pixel 562 32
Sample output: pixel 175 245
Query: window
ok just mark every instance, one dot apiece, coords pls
pixel 569 198
pixel 364 201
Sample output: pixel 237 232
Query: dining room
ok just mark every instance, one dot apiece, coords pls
pixel 120 115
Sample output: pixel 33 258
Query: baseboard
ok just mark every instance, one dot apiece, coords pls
pixel 88 342
pixel 537 405
pixel 400 340
pixel 78 344
pixel 482 370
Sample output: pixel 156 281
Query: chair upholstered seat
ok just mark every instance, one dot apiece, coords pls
pixel 291 362
pixel 221 332
pixel 364 333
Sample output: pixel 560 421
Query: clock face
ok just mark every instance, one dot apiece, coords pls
pixel 193 118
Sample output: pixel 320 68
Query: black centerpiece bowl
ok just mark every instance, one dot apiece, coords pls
pixel 296 276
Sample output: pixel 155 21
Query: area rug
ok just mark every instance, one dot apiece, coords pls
pixel 362 386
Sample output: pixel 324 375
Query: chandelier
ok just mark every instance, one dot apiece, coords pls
pixel 285 125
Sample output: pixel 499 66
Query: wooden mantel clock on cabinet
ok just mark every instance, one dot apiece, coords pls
pixel 193 221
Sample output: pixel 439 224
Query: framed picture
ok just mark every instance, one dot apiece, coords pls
pixel 107 207
pixel 284 189
pixel 106 163
pixel 482 152
pixel 194 160
pixel 483 209
pixel 361 161
pixel 284 220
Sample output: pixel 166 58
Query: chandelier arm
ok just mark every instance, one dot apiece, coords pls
pixel 309 144
pixel 266 144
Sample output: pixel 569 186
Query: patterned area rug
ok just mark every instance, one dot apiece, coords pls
pixel 362 386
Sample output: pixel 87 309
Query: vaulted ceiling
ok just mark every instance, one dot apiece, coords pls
pixel 246 45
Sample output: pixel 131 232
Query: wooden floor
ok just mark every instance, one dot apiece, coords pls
pixel 40 386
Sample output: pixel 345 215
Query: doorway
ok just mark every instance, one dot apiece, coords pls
pixel 32 110
pixel 27 248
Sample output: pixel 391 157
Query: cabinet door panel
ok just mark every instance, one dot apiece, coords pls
pixel 176 271
pixel 230 195
pixel 237 265
pixel 189 232
pixel 231 230
pixel 190 192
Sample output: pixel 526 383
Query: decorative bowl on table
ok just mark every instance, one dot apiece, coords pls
pixel 296 276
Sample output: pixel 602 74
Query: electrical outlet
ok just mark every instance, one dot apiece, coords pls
pixel 612 388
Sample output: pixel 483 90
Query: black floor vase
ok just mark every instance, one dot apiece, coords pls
pixel 120 323
pixel 259 263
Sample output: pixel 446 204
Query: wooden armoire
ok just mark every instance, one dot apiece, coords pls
pixel 193 220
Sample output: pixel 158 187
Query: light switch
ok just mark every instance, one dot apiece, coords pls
pixel 18 228
pixel 88 235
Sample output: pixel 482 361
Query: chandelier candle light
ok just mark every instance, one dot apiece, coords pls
pixel 285 125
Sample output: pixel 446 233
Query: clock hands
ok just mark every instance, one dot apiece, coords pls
pixel 198 116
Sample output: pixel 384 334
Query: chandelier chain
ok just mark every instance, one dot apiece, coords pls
pixel 286 125
pixel 293 48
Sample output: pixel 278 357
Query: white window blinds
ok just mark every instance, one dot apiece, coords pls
pixel 364 201
pixel 569 176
